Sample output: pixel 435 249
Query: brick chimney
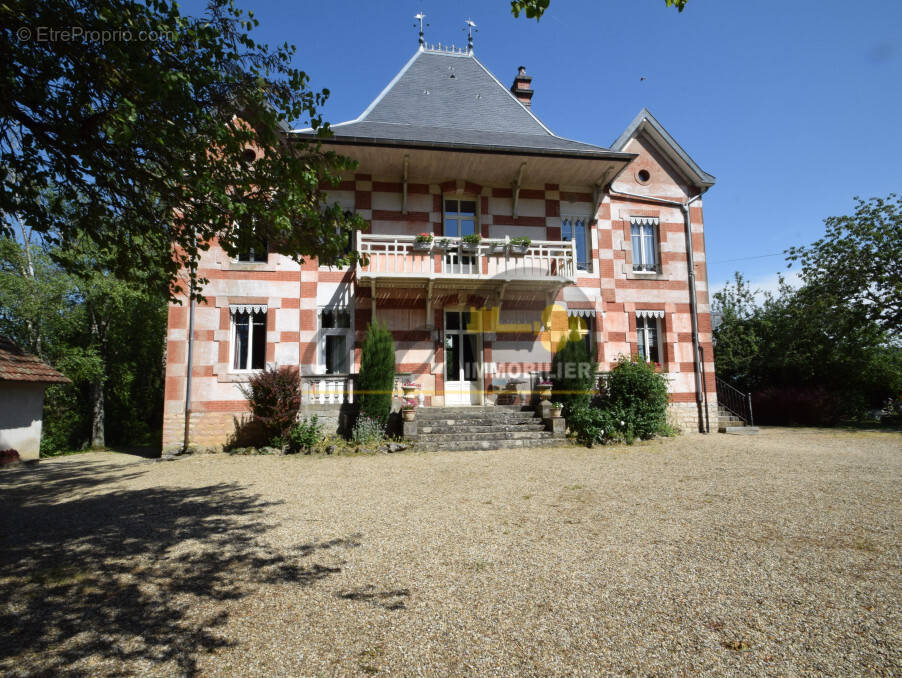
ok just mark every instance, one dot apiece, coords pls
pixel 521 88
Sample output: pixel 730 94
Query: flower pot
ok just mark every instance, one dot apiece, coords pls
pixel 519 249
pixel 424 246
pixel 544 392
pixel 497 248
pixel 556 411
pixel 408 415
pixel 469 246
pixel 409 391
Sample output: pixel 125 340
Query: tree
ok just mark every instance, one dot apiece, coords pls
pixel 858 262
pixel 572 374
pixel 376 379
pixel 534 9
pixel 149 129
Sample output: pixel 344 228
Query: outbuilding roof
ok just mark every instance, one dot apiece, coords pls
pixel 17 365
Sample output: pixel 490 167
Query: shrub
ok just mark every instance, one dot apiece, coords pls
pixel 377 373
pixel 638 394
pixel 9 457
pixel 798 406
pixel 572 374
pixel 274 396
pixel 304 435
pixel 367 430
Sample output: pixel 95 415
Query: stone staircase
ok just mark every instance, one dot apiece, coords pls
pixel 727 422
pixel 481 428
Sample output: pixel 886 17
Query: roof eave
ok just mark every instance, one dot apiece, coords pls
pixel 646 122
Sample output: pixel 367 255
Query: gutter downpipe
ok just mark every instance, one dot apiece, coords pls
pixel 187 437
pixel 693 303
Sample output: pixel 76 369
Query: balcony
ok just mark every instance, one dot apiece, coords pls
pixel 399 260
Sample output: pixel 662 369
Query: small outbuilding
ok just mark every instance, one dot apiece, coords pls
pixel 23 379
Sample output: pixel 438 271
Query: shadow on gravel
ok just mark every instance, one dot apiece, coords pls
pixel 123 576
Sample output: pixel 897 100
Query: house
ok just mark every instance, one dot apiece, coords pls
pixel 446 150
pixel 23 379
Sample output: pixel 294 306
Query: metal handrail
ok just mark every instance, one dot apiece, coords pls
pixel 735 401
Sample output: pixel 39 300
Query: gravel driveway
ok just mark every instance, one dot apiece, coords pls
pixel 779 554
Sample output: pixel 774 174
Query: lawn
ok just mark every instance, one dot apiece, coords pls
pixel 777 554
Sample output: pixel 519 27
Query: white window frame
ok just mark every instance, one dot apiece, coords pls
pixel 640 259
pixel 649 317
pixel 347 332
pixel 590 320
pixel 587 232
pixel 458 218
pixel 251 310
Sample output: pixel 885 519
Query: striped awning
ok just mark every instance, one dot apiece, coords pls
pixel 581 312
pixel 649 221
pixel 649 314
pixel 247 308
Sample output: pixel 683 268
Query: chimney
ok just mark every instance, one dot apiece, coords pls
pixel 521 88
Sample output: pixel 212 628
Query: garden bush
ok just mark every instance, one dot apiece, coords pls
pixel 377 373
pixel 274 396
pixel 799 406
pixel 632 405
pixel 304 435
pixel 572 374
pixel 367 430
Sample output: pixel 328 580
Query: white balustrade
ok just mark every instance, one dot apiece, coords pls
pixel 327 389
pixel 398 256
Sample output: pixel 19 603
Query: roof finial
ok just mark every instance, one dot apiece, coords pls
pixel 470 29
pixel 419 16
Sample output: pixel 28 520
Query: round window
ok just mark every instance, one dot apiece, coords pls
pixel 643 175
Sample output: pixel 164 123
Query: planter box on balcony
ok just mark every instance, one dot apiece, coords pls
pixel 422 246
pixel 497 248
pixel 519 249
pixel 468 247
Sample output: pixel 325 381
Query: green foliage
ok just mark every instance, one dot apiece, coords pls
pixel 534 9
pixel 108 140
pixel 367 430
pixel 377 373
pixel 637 394
pixel 304 435
pixel 858 262
pixel 105 334
pixel 833 358
pixel 572 374
pixel 274 396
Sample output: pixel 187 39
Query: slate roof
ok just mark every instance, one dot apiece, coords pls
pixel 17 365
pixel 425 104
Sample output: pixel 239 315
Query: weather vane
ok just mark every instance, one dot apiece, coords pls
pixel 470 29
pixel 419 16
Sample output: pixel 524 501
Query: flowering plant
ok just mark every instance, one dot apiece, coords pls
pixel 423 238
pixel 472 239
pixel 545 383
pixel 409 404
pixel 411 384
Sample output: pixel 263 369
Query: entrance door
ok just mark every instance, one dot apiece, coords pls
pixel 463 360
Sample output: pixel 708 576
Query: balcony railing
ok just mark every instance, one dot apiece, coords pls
pixel 400 256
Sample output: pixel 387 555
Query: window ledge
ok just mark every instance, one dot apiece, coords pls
pixel 236 377
pixel 248 266
pixel 645 275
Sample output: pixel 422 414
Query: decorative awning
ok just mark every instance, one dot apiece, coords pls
pixel 645 221
pixel 581 312
pixel 247 308
pixel 649 314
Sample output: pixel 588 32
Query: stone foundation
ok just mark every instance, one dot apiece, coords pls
pixel 684 416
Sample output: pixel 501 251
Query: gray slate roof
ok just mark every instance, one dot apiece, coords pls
pixel 424 104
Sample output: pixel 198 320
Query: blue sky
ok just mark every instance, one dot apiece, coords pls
pixel 793 105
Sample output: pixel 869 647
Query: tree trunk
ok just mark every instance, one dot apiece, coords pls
pixel 97 414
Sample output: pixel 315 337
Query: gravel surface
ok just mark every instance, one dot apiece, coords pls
pixel 777 554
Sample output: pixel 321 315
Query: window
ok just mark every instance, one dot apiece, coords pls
pixel 460 218
pixel 645 244
pixel 258 254
pixel 648 335
pixel 248 337
pixel 584 324
pixel 335 326
pixel 574 228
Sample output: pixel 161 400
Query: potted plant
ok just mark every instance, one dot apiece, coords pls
pixel 469 243
pixel 497 246
pixel 520 245
pixel 409 409
pixel 557 409
pixel 423 241
pixel 443 244
pixel 409 388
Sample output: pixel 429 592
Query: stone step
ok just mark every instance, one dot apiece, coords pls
pixel 730 421
pixel 474 445
pixel 472 413
pixel 484 426
pixel 740 430
pixel 429 438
